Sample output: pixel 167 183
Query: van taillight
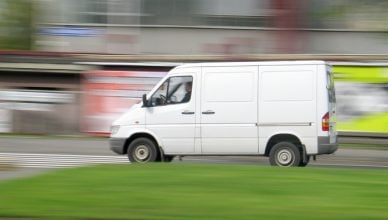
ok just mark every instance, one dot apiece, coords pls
pixel 325 122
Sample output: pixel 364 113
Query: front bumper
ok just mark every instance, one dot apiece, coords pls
pixel 325 147
pixel 117 145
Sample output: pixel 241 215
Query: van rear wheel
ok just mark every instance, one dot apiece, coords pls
pixel 285 154
pixel 168 158
pixel 142 150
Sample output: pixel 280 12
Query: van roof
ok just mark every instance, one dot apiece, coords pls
pixel 261 63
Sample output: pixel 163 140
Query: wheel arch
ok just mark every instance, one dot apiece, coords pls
pixel 280 137
pixel 141 134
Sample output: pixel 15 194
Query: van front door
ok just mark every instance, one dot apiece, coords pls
pixel 171 115
pixel 229 114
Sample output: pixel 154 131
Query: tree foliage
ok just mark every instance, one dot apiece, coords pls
pixel 16 24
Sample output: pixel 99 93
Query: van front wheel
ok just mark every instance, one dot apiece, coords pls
pixel 284 154
pixel 142 150
pixel 303 164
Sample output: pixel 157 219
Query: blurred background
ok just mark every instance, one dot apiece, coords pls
pixel 72 66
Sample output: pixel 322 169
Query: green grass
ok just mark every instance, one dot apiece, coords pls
pixel 184 191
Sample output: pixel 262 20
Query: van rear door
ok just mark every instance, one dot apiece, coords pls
pixel 332 105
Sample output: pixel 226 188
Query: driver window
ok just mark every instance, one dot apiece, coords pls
pixel 174 90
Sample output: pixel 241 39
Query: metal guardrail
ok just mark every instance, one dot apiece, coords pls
pixel 345 137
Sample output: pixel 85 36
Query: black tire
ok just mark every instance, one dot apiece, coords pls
pixel 168 158
pixel 303 164
pixel 284 154
pixel 142 150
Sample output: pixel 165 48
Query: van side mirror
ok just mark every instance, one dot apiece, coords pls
pixel 145 101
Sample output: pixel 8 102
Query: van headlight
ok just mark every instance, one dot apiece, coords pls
pixel 114 129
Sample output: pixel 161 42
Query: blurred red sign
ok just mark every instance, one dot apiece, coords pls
pixel 108 94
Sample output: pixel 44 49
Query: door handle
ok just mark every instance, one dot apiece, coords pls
pixel 187 113
pixel 208 112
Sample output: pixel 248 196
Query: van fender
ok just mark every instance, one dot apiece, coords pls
pixel 143 130
pixel 285 132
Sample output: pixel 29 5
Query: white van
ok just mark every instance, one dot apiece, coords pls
pixel 282 110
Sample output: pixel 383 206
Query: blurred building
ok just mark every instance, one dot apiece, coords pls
pixel 39 98
pixel 52 94
pixel 212 26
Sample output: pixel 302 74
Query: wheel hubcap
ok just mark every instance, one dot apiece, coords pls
pixel 142 152
pixel 285 157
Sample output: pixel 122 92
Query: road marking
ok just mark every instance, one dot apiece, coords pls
pixel 68 160
pixel 58 160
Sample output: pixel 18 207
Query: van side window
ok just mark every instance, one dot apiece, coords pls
pixel 174 90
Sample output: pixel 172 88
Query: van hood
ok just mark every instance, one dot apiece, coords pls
pixel 134 116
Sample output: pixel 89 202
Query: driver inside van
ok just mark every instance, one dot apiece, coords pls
pixel 188 87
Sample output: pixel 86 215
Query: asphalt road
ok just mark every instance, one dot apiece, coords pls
pixel 56 152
